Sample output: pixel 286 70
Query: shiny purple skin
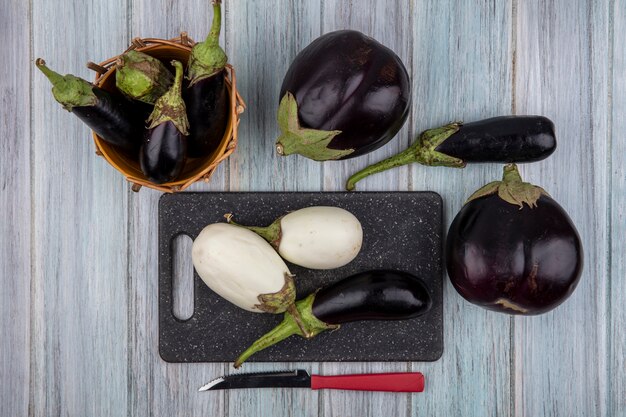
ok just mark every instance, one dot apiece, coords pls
pixel 163 153
pixel 498 254
pixel 347 81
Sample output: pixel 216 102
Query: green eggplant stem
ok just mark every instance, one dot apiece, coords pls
pixel 271 233
pixel 70 91
pixel 403 158
pixel 208 58
pixel 285 329
pixel 54 77
pixel 511 189
pixel 170 106
pixel 298 319
pixel 423 151
pixel 216 25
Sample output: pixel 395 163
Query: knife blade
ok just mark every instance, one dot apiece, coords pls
pixel 390 382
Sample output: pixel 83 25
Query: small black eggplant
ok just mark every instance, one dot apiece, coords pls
pixel 116 120
pixel 142 77
pixel 371 295
pixel 206 95
pixel 513 249
pixel 162 156
pixel 344 95
pixel 499 139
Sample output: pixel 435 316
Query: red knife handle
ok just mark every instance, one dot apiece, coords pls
pixel 395 382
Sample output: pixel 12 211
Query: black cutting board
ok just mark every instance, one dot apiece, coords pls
pixel 401 230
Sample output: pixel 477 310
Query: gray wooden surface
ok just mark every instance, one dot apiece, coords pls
pixel 78 249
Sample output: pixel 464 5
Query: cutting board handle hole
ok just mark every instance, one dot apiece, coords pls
pixel 182 278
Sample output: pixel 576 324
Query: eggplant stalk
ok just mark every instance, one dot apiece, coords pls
pixel 512 189
pixel 171 107
pixel 69 90
pixel 421 151
pixel 271 233
pixel 306 325
pixel 208 58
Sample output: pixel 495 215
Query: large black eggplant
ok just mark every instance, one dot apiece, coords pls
pixel 206 95
pixel 344 95
pixel 113 118
pixel 371 295
pixel 513 249
pixel 499 139
pixel 162 156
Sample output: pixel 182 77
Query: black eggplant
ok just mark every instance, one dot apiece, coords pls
pixel 142 77
pixel 371 295
pixel 498 139
pixel 206 95
pixel 162 156
pixel 344 95
pixel 513 249
pixel 116 120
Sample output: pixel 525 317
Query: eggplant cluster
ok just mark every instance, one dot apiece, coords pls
pixel 244 265
pixel 157 116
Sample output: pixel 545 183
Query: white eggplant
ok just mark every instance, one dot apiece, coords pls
pixel 243 268
pixel 318 237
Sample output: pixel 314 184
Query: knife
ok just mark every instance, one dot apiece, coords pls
pixel 393 382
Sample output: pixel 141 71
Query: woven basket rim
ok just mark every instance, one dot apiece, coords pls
pixel 228 143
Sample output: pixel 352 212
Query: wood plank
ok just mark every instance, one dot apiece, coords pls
pixel 158 388
pixel 462 71
pixel 79 285
pixel 560 357
pixel 15 230
pixel 376 19
pixel 616 378
pixel 390 24
pixel 262 39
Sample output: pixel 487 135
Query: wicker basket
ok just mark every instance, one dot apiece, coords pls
pixel 196 169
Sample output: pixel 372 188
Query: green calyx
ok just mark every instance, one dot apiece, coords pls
pixel 170 107
pixel 208 58
pixel 512 189
pixel 271 233
pixel 421 151
pixel 306 325
pixel 278 302
pixel 68 89
pixel 293 138
pixel 142 77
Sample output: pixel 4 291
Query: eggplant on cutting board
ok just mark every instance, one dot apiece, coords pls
pixel 370 295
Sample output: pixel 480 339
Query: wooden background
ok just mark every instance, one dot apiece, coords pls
pixel 78 249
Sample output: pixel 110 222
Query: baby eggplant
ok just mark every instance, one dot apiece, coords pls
pixel 243 268
pixel 116 120
pixel 371 295
pixel 317 237
pixel 513 249
pixel 142 77
pixel 499 139
pixel 206 95
pixel 162 156
pixel 343 96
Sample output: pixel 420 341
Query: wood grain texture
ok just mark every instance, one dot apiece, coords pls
pixel 79 288
pixel 376 19
pixel 15 228
pixel 81 336
pixel 616 252
pixel 463 71
pixel 560 357
pixel 262 40
pixel 158 388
